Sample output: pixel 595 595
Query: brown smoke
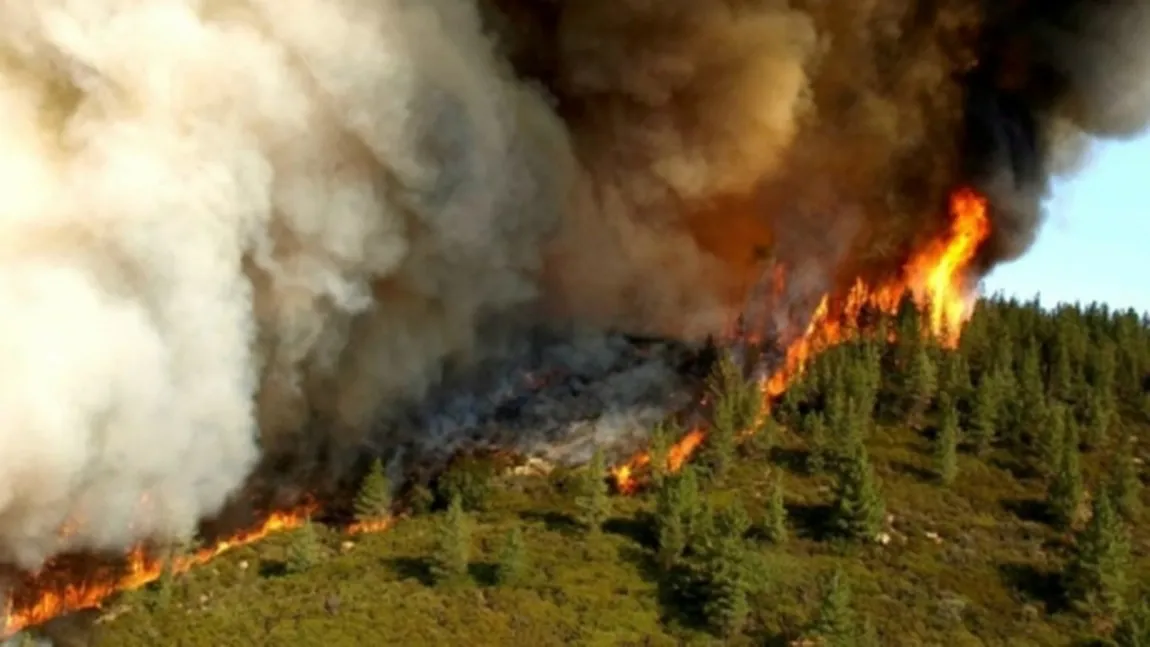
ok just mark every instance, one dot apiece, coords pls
pixel 827 135
pixel 240 227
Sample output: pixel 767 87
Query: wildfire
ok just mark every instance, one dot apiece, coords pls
pixel 936 278
pixel 57 593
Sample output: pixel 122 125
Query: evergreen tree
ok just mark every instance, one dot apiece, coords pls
pixel 775 524
pixel 1032 409
pixel 677 509
pixel 921 384
pixel 1061 380
pixel 1052 440
pixel 816 431
pixel 1099 418
pixel 946 444
pixel 1125 485
pixel 304 550
pixel 727 585
pixel 736 408
pixel 1064 494
pixel 468 478
pixel 988 399
pixel 374 498
pixel 864 377
pixel 835 623
pixel 511 564
pixel 659 451
pixel 452 549
pixel 858 507
pixel 1096 575
pixel 954 377
pixel 594 502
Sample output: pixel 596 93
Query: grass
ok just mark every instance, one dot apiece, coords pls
pixel 968 565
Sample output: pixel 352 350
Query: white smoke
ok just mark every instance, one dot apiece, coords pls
pixel 220 216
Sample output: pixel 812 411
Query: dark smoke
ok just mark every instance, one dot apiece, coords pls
pixel 901 102
pixel 1051 76
pixel 242 227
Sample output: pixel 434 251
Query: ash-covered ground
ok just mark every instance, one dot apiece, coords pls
pixel 560 399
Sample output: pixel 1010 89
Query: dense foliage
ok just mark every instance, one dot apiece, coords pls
pixel 901 493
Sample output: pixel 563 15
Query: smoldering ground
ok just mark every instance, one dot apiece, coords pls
pixel 238 227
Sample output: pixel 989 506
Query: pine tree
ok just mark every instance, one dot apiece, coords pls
pixel 1061 379
pixel 677 509
pixel 858 507
pixel 594 502
pixel 946 444
pixel 373 501
pixel 727 585
pixel 954 377
pixel 775 524
pixel 659 452
pixel 1032 409
pixel 736 404
pixel 816 431
pixel 1052 440
pixel 1096 575
pixel 1125 485
pixel 304 550
pixel 1064 494
pixel 470 479
pixel 452 550
pixel 863 377
pixel 922 384
pixel 512 561
pixel 1099 418
pixel 835 623
pixel 985 412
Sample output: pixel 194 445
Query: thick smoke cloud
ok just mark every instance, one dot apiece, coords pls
pixel 230 216
pixel 1053 75
pixel 240 228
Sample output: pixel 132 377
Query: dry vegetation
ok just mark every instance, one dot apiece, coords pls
pixel 988 559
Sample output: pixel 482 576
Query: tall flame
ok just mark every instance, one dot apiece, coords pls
pixel 935 277
pixel 937 280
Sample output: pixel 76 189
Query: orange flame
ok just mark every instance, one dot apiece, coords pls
pixel 935 277
pixel 937 280
pixel 57 594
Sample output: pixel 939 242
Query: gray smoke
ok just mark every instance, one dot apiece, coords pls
pixel 235 229
pixel 223 219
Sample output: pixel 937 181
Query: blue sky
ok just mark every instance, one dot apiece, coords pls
pixel 1095 243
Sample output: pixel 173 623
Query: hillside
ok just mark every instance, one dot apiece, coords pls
pixel 1004 509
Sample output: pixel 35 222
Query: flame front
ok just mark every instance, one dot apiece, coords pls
pixel 937 280
pixel 56 594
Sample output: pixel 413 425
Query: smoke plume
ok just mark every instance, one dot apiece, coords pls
pixel 239 228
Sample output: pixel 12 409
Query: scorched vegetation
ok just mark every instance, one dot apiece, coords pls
pixel 899 493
